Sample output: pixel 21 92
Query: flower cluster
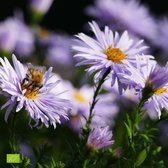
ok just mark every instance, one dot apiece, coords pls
pixel 108 121
pixel 129 67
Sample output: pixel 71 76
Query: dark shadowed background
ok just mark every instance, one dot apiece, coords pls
pixel 68 15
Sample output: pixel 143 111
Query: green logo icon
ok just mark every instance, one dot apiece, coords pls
pixel 13 158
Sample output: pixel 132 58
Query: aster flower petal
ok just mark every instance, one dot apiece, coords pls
pixel 8 111
pixel 19 68
pixel 100 138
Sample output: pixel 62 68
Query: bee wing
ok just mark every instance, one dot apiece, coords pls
pixel 34 67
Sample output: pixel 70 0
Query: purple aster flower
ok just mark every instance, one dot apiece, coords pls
pixel 58 50
pixel 105 111
pixel 8 35
pixel 16 37
pixel 100 138
pixel 109 12
pixel 30 87
pixel 109 50
pixel 41 6
pixel 80 99
pixel 158 78
pixel 154 76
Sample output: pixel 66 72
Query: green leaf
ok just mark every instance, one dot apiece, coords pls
pixel 158 149
pixel 39 165
pixel 141 157
pixel 144 136
pixel 129 131
pixel 129 120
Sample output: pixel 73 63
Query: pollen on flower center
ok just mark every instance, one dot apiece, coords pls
pixel 32 83
pixel 79 97
pixel 115 55
pixel 160 91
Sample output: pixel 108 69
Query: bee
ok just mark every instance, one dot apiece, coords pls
pixel 34 78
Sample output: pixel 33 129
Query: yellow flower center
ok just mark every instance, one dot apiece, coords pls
pixel 81 99
pixel 160 91
pixel 115 55
pixel 32 83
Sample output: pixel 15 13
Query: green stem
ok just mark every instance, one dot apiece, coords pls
pixel 94 101
pixel 87 129
pixel 138 114
pixel 13 143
